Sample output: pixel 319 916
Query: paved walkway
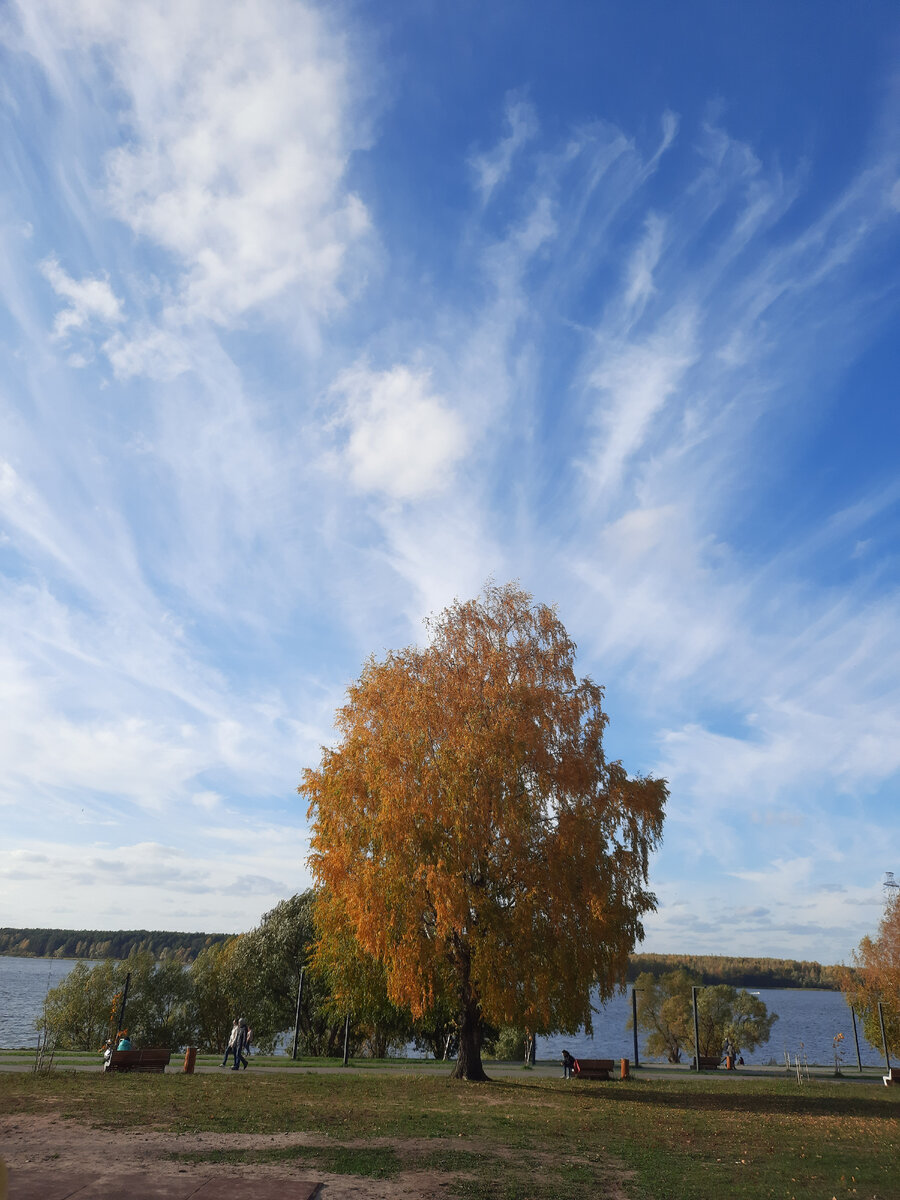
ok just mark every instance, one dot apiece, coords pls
pixel 496 1070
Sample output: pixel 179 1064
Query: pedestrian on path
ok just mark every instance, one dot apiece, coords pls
pixel 231 1048
pixel 240 1045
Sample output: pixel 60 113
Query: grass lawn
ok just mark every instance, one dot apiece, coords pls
pixel 529 1138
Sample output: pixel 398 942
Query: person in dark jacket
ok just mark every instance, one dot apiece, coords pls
pixel 239 1045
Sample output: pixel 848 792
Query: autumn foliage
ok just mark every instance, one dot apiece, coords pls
pixel 876 976
pixel 469 835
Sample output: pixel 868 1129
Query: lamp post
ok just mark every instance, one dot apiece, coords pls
pixel 634 1024
pixel 297 1014
pixel 694 991
pixel 120 1021
pixel 856 1038
pixel 884 1045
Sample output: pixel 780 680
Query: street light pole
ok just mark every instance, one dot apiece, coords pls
pixel 694 991
pixel 297 1014
pixel 887 1059
pixel 856 1038
pixel 634 1024
pixel 120 1021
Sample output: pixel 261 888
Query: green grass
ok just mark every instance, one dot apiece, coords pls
pixel 523 1137
pixel 376 1162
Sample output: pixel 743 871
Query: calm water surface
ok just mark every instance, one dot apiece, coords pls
pixel 807 1019
pixel 807 1022
pixel 23 984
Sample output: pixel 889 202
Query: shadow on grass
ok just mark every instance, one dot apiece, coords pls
pixel 762 1099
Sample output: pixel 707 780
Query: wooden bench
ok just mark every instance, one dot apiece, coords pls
pixel 139 1060
pixel 709 1062
pixel 593 1068
pixel 893 1076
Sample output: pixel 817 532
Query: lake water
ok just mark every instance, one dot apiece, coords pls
pixel 23 984
pixel 805 1016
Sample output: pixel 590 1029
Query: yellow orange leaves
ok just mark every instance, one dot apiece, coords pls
pixel 467 828
pixel 876 977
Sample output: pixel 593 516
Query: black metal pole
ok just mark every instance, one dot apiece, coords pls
pixel 887 1060
pixel 856 1039
pixel 634 1024
pixel 347 1040
pixel 694 991
pixel 120 1021
pixel 297 1014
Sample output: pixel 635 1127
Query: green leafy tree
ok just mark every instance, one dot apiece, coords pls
pixel 77 1013
pixel 216 995
pixel 265 970
pixel 160 1002
pixel 510 1045
pixel 727 1014
pixel 665 1010
pixel 355 982
pixel 471 833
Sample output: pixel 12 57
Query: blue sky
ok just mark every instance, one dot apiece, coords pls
pixel 315 318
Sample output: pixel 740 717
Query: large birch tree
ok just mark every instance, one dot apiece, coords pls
pixel 470 833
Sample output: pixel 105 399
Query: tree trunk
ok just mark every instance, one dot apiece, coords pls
pixel 468 1061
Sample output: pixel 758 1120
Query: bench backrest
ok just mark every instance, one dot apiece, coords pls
pixel 126 1058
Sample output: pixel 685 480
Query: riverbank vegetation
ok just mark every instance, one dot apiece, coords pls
pixel 714 969
pixel 97 943
pixel 184 947
pixel 642 1138
pixel 258 974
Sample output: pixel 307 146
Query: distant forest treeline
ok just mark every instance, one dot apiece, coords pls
pixel 98 943
pixel 184 947
pixel 740 972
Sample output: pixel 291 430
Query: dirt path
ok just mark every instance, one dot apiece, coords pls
pixel 57 1145
pixel 53 1145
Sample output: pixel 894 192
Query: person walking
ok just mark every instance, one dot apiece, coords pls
pixel 239 1046
pixel 230 1049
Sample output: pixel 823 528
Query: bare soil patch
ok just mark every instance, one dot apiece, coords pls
pixel 55 1144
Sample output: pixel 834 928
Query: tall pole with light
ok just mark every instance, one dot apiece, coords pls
pixel 694 991
pixel 634 1024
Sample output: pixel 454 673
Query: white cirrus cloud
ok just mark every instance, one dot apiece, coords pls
pixel 89 300
pixel 240 122
pixel 493 166
pixel 403 440
pixel 159 354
